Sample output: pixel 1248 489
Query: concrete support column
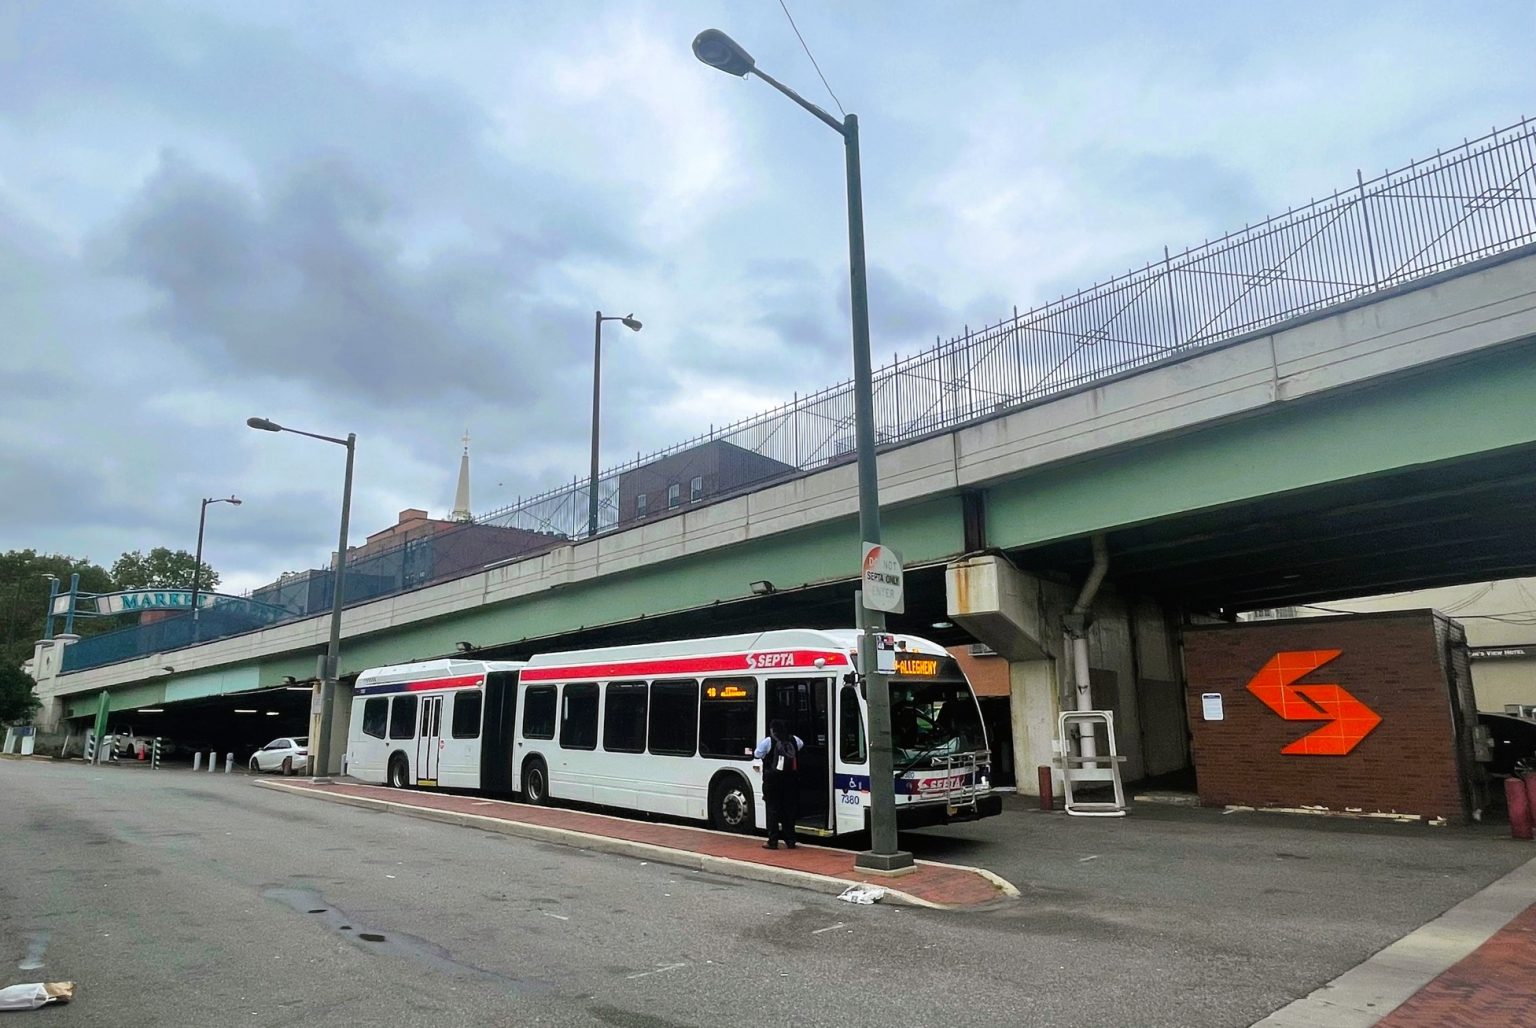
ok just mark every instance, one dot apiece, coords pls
pixel 1018 616
pixel 1035 690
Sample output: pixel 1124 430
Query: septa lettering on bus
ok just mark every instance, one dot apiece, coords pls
pixel 783 658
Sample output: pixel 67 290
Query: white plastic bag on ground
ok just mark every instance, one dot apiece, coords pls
pixel 35 994
pixel 862 894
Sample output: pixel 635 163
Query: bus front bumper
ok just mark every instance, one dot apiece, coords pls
pixel 924 815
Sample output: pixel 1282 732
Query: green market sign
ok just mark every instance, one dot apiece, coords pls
pixel 133 601
pixel 151 599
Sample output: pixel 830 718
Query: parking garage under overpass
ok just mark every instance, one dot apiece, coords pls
pixel 1382 445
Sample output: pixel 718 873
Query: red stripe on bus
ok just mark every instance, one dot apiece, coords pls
pixel 775 660
pixel 458 682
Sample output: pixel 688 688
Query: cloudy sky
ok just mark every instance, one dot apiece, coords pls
pixel 397 218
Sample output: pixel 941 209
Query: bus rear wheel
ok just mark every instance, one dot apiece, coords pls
pixel 730 806
pixel 398 773
pixel 536 783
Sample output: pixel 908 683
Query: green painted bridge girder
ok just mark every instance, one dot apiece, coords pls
pixel 123 697
pixel 1449 412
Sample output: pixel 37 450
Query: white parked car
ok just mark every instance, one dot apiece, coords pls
pixel 290 756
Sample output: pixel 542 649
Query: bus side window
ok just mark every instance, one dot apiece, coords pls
pixel 402 718
pixel 466 714
pixel 578 728
pixel 375 716
pixel 624 717
pixel 850 728
pixel 728 718
pixel 674 728
pixel 539 712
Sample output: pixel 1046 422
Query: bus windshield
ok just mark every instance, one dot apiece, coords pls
pixel 933 719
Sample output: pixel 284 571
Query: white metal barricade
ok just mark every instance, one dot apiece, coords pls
pixel 1074 769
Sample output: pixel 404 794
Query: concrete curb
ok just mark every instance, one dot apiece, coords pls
pixel 1370 991
pixel 642 850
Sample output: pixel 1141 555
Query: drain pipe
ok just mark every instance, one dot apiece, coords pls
pixel 1076 624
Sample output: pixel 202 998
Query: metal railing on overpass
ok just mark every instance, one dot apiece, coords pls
pixel 1460 206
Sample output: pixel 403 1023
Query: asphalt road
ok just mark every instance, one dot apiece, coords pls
pixel 181 899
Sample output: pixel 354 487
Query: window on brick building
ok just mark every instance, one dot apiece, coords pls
pixel 674 495
pixel 696 488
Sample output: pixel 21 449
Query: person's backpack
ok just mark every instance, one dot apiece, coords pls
pixel 783 757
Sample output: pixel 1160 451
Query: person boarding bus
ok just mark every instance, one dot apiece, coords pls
pixel 780 753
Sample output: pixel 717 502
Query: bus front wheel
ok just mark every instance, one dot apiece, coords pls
pixel 730 805
pixel 536 783
pixel 398 772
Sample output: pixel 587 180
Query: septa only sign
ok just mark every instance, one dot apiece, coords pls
pixel 883 581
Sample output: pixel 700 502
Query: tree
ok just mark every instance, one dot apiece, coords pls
pixel 24 598
pixel 161 568
pixel 17 701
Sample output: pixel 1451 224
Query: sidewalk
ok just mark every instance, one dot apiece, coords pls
pixel 1472 967
pixel 824 869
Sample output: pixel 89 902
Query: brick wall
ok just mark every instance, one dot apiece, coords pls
pixel 1390 662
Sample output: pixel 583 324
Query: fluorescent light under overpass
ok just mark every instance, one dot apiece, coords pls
pixel 238 711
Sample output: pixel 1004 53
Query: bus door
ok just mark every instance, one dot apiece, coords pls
pixel 851 776
pixel 803 703
pixel 429 740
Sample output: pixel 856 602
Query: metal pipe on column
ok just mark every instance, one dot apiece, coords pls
pixel 1077 642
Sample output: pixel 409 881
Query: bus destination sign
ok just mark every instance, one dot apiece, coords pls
pixel 922 667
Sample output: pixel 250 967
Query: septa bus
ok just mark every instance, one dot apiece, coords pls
pixel 669 728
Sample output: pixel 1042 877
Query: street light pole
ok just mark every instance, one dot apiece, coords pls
pixel 197 561
pixel 597 383
pixel 718 50
pixel 320 769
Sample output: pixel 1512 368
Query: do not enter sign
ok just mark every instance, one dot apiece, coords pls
pixel 883 583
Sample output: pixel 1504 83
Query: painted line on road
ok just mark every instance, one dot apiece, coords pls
pixel 660 970
pixel 631 848
pixel 831 928
pixel 557 917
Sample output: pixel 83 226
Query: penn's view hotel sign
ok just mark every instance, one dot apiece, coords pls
pixel 1509 652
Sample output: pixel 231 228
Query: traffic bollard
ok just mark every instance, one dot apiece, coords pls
pixel 1047 794
pixel 1519 808
pixel 229 762
pixel 154 761
pixel 197 761
pixel 213 761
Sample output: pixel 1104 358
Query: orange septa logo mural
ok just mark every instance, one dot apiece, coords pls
pixel 1348 719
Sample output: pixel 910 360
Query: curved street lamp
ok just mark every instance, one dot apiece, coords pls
pixel 197 561
pixel 629 322
pixel 322 765
pixel 716 49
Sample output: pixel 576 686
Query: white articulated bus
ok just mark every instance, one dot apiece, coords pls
pixel 669 728
pixel 428 724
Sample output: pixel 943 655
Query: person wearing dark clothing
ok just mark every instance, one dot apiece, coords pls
pixel 780 753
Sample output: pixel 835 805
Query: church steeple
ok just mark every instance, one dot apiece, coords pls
pixel 461 498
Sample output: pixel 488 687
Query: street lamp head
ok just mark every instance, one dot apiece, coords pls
pixel 264 425
pixel 718 50
pixel 629 322
pixel 233 501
